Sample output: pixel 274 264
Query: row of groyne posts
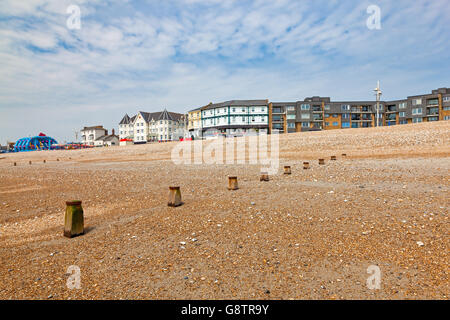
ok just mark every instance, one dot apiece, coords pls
pixel 74 217
pixel 31 162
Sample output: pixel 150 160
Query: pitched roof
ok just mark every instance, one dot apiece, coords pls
pixel 163 115
pixel 125 120
pixel 107 138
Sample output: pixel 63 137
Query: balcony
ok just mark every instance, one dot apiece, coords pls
pixel 391 109
pixel 316 109
pixel 277 110
pixel 391 117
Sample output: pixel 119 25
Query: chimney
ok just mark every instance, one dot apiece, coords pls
pixel 113 132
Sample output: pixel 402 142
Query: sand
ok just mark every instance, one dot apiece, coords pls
pixel 308 235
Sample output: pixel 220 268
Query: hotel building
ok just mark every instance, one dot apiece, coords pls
pixel 153 126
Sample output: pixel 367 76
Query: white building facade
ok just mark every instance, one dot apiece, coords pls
pixel 90 134
pixel 236 117
pixel 152 127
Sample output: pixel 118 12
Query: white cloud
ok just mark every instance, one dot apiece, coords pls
pixel 182 54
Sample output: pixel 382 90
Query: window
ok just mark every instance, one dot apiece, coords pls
pixel 345 107
pixel 345 124
pixel 263 109
pixel 243 109
pixel 243 119
pixel 290 108
pixel 402 114
pixel 305 116
pixel 446 117
pixel 277 126
pixel 305 106
pixel 327 107
pixel 416 111
pixel 277 118
pixel 327 124
pixel 291 125
pixel 335 124
pixel 335 115
pixel 291 116
pixel 253 109
pixel 403 121
pixel 415 102
pixel 432 111
pixel 446 108
pixel 234 109
pixel 327 115
pixel 345 116
pixel 446 99
pixel 433 102
pixel 417 120
pixel 277 110
pixel 433 118
pixel 305 124
pixel 402 105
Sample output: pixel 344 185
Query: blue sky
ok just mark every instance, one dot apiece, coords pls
pixel 181 54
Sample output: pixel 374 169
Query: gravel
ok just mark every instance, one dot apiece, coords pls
pixel 294 244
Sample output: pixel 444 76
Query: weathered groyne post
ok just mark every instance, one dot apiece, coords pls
pixel 287 170
pixel 74 219
pixel 174 197
pixel 232 183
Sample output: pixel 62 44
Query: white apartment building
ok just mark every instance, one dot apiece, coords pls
pixel 90 134
pixel 236 117
pixel 150 127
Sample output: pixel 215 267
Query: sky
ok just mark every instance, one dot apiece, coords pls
pixel 130 56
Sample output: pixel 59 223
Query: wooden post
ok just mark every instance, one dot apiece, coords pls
pixel 174 197
pixel 57 159
pixel 44 161
pixel 321 161
pixel 264 176
pixel 232 183
pixel 29 162
pixel 333 158
pixel 306 165
pixel 15 164
pixel 344 154
pixel 287 170
pixel 74 219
